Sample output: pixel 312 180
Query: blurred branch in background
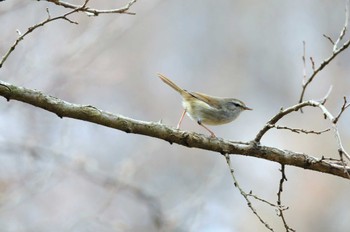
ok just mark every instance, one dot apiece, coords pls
pixel 18 193
pixel 76 8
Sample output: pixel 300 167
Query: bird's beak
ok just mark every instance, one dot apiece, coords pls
pixel 247 108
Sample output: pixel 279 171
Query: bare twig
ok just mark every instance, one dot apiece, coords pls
pixel 32 28
pixel 250 194
pixel 283 112
pixel 95 12
pixel 341 149
pixel 325 98
pixel 297 130
pixel 76 8
pixel 244 194
pixel 336 52
pixel 280 188
pixel 321 67
pixel 280 207
pixel 271 123
pixel 329 38
pixel 312 63
pixel 343 31
pixel 343 108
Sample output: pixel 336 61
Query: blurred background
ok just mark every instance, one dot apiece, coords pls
pixel 68 175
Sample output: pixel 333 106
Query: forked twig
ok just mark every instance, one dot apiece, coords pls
pixel 75 8
pixel 32 28
pixel 283 112
pixel 343 31
pixel 343 108
pixel 336 51
pixel 272 122
pixel 244 194
pixel 321 67
pixel 96 12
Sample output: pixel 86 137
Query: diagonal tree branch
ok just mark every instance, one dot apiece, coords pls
pixel 157 130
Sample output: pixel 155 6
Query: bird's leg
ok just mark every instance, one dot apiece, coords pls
pixel 211 133
pixel 182 117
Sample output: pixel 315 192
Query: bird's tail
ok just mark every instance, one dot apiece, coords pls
pixel 170 83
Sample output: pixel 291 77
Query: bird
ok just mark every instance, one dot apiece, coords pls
pixel 206 109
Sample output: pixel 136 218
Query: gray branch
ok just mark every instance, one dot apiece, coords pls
pixel 157 130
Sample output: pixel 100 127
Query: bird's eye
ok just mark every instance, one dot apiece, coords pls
pixel 236 104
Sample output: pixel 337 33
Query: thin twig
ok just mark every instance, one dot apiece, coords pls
pixel 343 108
pixel 279 207
pixel 271 123
pixel 244 194
pixel 325 98
pixel 329 38
pixel 279 115
pixel 341 149
pixel 76 8
pixel 96 12
pixel 32 28
pixel 343 31
pixel 336 52
pixel 250 194
pixel 312 63
pixel 282 208
pixel 321 67
pixel 298 130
